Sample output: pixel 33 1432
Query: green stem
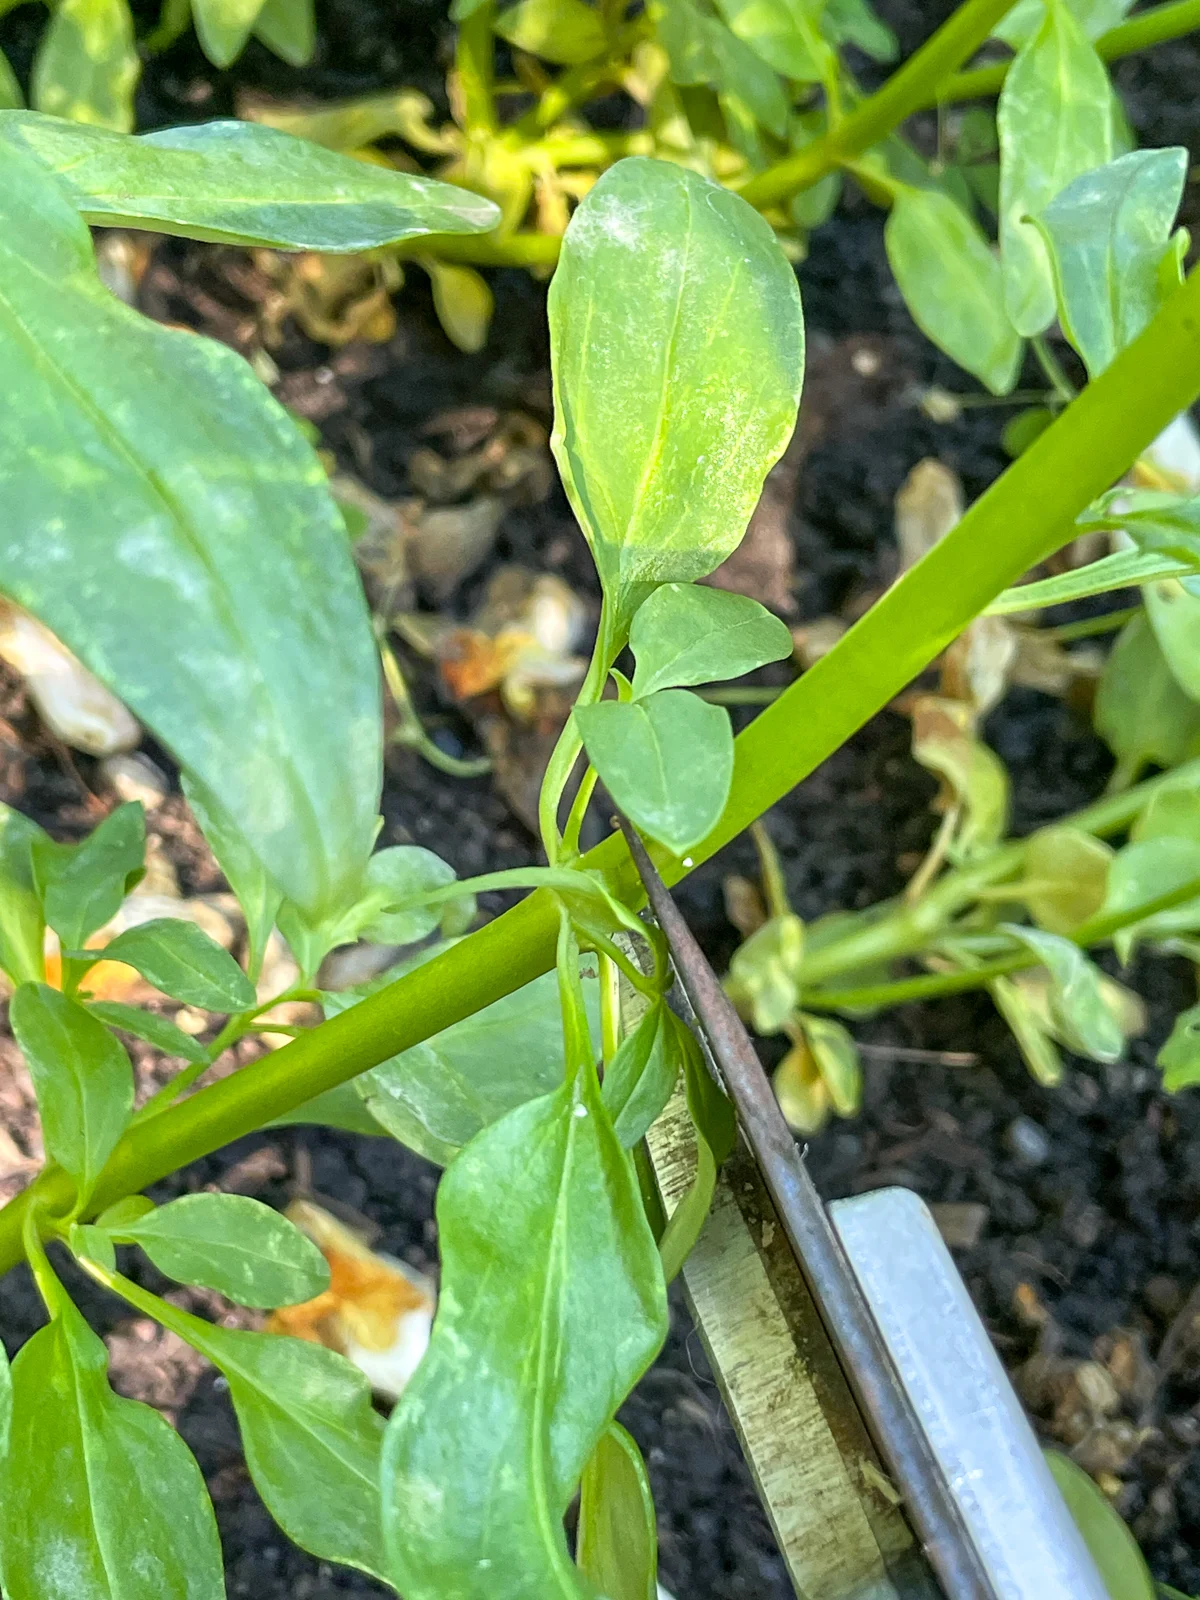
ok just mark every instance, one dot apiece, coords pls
pixel 1154 26
pixel 475 62
pixel 489 249
pixel 913 86
pixel 1089 627
pixel 1021 519
pixel 566 751
pixel 1063 388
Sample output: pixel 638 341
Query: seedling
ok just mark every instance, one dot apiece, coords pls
pixel 169 523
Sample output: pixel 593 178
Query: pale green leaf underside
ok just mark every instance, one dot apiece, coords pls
pixel 165 518
pixel 243 183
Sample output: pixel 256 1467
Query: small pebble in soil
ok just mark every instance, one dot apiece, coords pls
pixel 1027 1141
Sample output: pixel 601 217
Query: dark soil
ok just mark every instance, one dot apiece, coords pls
pixel 1088 1247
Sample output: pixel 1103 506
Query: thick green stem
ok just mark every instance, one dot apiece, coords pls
pixel 1154 26
pixel 1025 515
pixel 904 92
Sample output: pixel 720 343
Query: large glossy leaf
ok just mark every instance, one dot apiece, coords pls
pixel 182 961
pixel 21 926
pixel 1107 233
pixel 687 633
pixel 678 352
pixel 235 1245
pixel 552 1305
pixel 102 1498
pixel 617 1542
pixel 165 518
pixel 952 283
pixel 87 64
pixel 257 894
pixel 666 760
pixel 439 1094
pixel 1054 120
pixel 243 183
pixel 82 1076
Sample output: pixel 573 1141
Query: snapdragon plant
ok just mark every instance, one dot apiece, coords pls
pixel 171 525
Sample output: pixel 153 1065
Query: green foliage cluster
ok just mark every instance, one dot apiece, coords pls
pixel 169 522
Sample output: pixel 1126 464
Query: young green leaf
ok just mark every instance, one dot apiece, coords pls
pixel 1082 1019
pixel 1143 871
pixel 161 1032
pixel 1065 877
pixel 101 1496
pixel 1172 812
pixel 702 50
pixel 666 760
pixel 131 1209
pixel 397 874
pixel 1107 233
pixel 566 32
pixel 952 283
pixel 87 64
pixel 21 926
pixel 289 28
pixel 552 1305
pixel 82 1076
pixel 1141 713
pixel 616 1546
pixel 641 1076
pixel 93 1244
pixel 1173 610
pixel 1054 120
pixel 82 886
pixel 854 22
pixel 346 1109
pixel 688 633
pixel 945 741
pixel 256 894
pixel 1179 1057
pixel 230 1243
pixel 1029 1027
pixel 1120 571
pixel 1026 17
pixel 1111 1546
pixel 716 1129
pixel 836 1055
pixel 678 353
pixel 243 183
pixel 193 577
pixel 784 33
pixel 182 961
pixel 764 974
pixel 223 27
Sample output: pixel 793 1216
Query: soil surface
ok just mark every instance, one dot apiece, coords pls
pixel 1084 1200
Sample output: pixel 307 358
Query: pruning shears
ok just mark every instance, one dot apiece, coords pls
pixel 934 1483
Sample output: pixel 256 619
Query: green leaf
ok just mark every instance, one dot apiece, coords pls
pixel 166 520
pixel 1179 1057
pixel 1143 871
pixel 1112 1547
pixel 131 1209
pixel 310 1434
pixel 258 897
pixel 764 974
pixel 742 77
pixel 1172 812
pixel 1054 121
pixel 230 1243
pixel 667 761
pixel 82 1076
pixel 289 28
pixel 1028 1027
pixel 102 1498
pixel 716 1129
pixel 87 64
pixel 1065 877
pixel 5 1413
pixel 566 32
pixel 93 1244
pixel 688 633
pixel 82 886
pixel 463 301
pixel 678 353
pixel 21 925
pixel 161 1032
pixel 223 27
pixel 616 1546
pixel 182 961
pixel 1173 611
pixel 1026 17
pixel 836 1055
pixel 1141 713
pixel 394 875
pixel 1107 233
pixel 243 183
pixel 10 90
pixel 952 283
pixel 1082 1019
pixel 345 1108
pixel 641 1076
pixel 1119 571
pixel 854 22
pixel 437 1095
pixel 784 33
pixel 552 1306
pixel 945 742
